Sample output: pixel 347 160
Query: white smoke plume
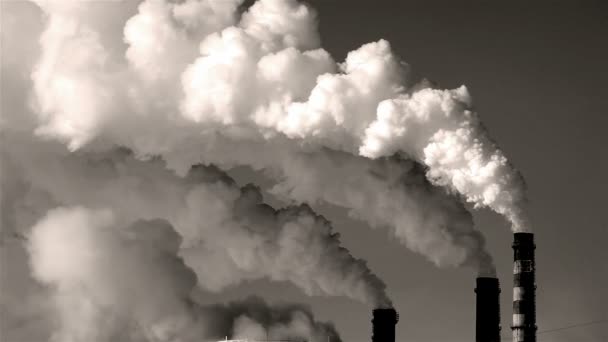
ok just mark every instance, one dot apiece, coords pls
pixel 112 283
pixel 262 93
pixel 197 82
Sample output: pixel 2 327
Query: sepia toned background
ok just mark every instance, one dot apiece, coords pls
pixel 539 79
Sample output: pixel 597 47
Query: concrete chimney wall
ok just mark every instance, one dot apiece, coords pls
pixel 384 322
pixel 524 287
pixel 487 321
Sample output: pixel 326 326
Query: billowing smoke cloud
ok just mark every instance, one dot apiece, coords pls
pixel 438 128
pixel 226 231
pixel 262 93
pixel 190 83
pixel 128 284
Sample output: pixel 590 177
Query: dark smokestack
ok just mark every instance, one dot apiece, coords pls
pixel 524 287
pixel 384 323
pixel 487 322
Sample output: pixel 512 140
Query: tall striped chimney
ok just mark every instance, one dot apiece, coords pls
pixel 487 321
pixel 524 287
pixel 384 322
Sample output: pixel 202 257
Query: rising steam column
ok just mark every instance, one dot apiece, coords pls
pixel 487 322
pixel 384 323
pixel 524 287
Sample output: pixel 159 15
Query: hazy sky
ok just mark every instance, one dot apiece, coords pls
pixel 538 77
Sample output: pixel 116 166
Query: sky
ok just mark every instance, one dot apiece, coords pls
pixel 537 75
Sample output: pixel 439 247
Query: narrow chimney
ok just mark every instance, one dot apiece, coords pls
pixel 524 287
pixel 384 322
pixel 487 322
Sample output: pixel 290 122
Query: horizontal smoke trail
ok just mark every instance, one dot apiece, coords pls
pixel 391 192
pixel 227 231
pixel 112 283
